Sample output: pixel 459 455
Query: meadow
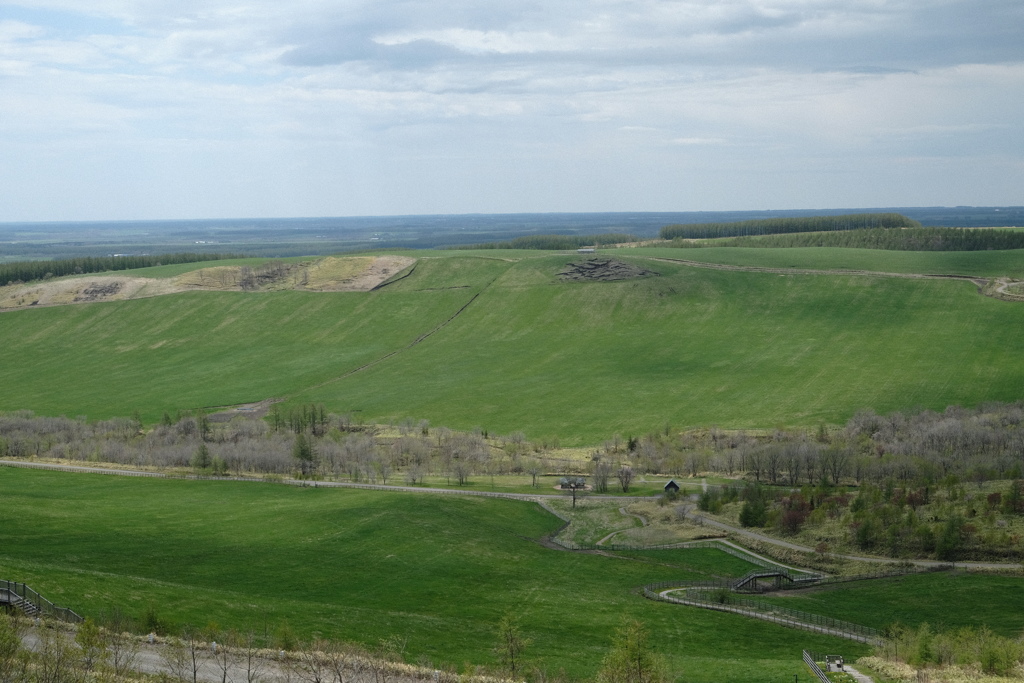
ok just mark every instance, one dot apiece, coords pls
pixel 499 343
pixel 944 600
pixel 440 571
pixel 1009 263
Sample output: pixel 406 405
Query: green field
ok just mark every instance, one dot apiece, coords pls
pixel 363 565
pixel 944 600
pixel 577 361
pixel 985 263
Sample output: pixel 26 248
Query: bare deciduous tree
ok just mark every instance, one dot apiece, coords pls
pixel 625 477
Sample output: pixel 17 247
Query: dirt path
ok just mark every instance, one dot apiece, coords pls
pixel 643 522
pixel 991 287
pixel 999 289
pixel 857 676
pixel 530 497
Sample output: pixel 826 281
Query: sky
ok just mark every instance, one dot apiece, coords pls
pixel 159 109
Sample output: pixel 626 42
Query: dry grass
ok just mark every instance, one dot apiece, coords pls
pixel 898 672
pixel 330 274
pixel 81 290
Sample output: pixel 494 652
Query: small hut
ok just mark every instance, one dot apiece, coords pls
pixel 672 486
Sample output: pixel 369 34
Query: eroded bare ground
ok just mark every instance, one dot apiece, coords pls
pixel 254 411
pixel 328 274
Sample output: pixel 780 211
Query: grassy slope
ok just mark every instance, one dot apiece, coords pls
pixel 579 361
pixel 200 349
pixel 362 565
pixel 695 347
pixel 944 600
pixel 1008 263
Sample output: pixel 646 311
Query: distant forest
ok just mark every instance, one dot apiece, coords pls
pixel 907 239
pixel 27 271
pixel 555 242
pixel 911 239
pixel 775 226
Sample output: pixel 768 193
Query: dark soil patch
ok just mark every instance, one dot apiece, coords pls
pixel 97 292
pixel 604 269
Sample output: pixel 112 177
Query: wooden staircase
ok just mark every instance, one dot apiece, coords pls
pixel 18 596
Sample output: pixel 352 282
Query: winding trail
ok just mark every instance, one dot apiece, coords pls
pixel 643 523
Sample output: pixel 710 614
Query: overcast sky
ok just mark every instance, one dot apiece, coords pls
pixel 117 109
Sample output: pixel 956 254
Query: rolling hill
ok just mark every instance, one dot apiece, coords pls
pixel 498 341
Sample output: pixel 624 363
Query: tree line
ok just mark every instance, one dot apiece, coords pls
pixel 554 242
pixel 922 448
pixel 27 271
pixel 774 226
pixel 908 239
pixel 922 477
pixel 303 441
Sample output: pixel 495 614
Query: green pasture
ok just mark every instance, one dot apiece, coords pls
pixel 440 570
pixel 1009 263
pixel 945 600
pixel 200 349
pixel 690 347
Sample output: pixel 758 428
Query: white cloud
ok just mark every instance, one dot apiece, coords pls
pixel 766 90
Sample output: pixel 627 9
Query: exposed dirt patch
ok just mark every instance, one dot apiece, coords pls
pixel 602 268
pixel 80 290
pixel 379 269
pixel 330 274
pixel 254 411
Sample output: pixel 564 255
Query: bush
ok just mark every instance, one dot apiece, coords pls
pixel 947 547
pixel 754 513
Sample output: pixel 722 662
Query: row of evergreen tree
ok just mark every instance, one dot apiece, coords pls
pixel 910 239
pixel 556 242
pixel 776 226
pixel 27 271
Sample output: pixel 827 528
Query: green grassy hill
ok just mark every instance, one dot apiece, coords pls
pixel 983 263
pixel 365 565
pixel 497 341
